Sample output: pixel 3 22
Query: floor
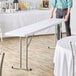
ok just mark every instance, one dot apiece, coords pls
pixel 40 56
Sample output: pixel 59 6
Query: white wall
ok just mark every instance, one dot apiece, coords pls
pixel 73 18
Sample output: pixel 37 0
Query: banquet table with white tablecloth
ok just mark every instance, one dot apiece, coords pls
pixel 63 58
pixel 13 20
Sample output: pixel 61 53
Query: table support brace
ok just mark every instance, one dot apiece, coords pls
pixel 27 45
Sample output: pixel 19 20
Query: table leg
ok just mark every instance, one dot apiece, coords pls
pixel 60 24
pixel 1 34
pixel 60 30
pixel 55 38
pixel 20 68
pixel 20 52
pixel 56 34
pixel 27 54
pixel 20 40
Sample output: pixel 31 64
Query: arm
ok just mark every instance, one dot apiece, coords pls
pixel 68 14
pixel 68 10
pixel 53 5
pixel 52 11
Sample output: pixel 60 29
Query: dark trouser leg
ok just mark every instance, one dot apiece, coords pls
pixel 58 15
pixel 58 32
pixel 67 26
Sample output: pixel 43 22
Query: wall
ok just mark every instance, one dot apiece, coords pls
pixel 73 18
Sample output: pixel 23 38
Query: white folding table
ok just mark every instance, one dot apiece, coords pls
pixel 30 30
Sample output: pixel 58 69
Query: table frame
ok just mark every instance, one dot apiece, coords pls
pixel 27 46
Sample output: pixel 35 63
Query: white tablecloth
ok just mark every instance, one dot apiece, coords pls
pixel 12 21
pixel 63 57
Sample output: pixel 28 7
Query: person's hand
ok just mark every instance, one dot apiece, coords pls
pixel 51 12
pixel 66 17
pixel 51 15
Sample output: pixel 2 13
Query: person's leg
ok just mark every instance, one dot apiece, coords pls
pixel 67 24
pixel 58 15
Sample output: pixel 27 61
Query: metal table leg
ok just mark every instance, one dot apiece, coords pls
pixel 56 34
pixel 20 52
pixel 27 54
pixel 20 68
pixel 20 40
pixel 59 33
pixel 60 30
pixel 55 38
